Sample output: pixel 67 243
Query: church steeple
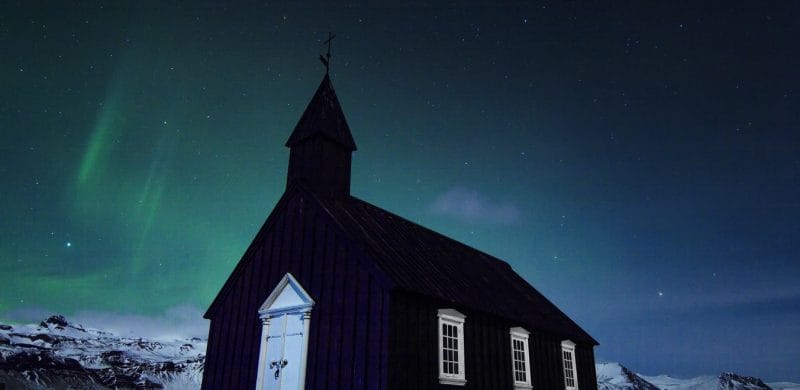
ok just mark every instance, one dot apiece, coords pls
pixel 322 146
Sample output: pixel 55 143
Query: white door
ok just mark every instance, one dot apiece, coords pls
pixel 284 352
pixel 285 326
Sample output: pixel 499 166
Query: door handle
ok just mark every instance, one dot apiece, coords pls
pixel 278 365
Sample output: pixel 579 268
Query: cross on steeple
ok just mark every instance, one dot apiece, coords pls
pixel 326 60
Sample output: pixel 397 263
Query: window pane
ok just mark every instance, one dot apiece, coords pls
pixel 518 355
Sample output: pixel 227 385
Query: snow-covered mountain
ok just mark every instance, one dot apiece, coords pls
pixel 614 376
pixel 784 386
pixel 726 381
pixel 56 354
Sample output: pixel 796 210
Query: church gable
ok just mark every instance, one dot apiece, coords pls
pixel 297 216
pixel 350 298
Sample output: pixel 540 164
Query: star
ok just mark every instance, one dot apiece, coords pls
pixel 660 293
pixel 69 244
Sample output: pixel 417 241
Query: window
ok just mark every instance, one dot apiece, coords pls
pixel 520 358
pixel 451 347
pixel 570 368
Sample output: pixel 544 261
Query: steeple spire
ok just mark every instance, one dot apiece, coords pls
pixel 327 59
pixel 321 145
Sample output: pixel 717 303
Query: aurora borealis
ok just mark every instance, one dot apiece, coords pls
pixel 638 164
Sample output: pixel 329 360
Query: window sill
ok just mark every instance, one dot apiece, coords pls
pixel 522 387
pixel 452 381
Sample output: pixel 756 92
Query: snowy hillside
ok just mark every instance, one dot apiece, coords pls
pixel 59 354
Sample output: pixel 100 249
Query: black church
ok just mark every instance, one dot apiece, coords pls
pixel 336 293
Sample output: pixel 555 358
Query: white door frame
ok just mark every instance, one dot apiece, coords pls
pixel 299 303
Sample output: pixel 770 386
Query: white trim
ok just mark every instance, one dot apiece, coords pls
pixel 452 314
pixel 453 318
pixel 568 347
pixel 266 312
pixel 304 358
pixel 521 335
pixel 452 381
pixel 262 353
pixel 287 279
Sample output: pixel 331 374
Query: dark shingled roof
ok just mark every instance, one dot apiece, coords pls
pixel 422 261
pixel 323 116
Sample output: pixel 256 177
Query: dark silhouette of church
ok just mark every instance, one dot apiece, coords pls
pixel 336 293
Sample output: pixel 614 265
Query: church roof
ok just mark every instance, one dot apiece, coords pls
pixel 323 116
pixel 422 261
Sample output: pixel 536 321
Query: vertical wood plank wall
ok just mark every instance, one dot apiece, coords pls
pixel 413 354
pixel 348 340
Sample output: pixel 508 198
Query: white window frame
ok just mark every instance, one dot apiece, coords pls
pixel 521 335
pixel 453 318
pixel 568 348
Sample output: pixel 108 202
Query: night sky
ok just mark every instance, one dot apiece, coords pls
pixel 639 163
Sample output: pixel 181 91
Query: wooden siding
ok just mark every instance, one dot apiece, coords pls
pixel 413 356
pixel 348 335
pixel 587 376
